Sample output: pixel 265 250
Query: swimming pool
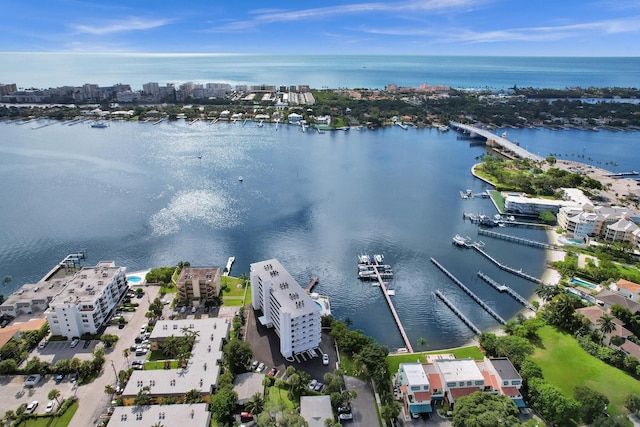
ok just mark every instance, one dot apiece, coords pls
pixel 582 283
pixel 134 279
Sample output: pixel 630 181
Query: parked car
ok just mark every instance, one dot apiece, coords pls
pixel 50 406
pixel 31 407
pixel 143 329
pixel 254 365
pixel 59 378
pixel 344 409
pixel 194 309
pixel 345 416
pixel 32 380
pixel 312 384
pixel 318 386
pixel 73 377
pixel 325 359
pixel 183 309
pixel 261 367
pixel 137 362
pixel 43 344
pixel 86 344
pixel 273 372
pixel 74 342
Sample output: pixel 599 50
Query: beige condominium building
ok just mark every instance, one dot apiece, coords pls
pixel 197 285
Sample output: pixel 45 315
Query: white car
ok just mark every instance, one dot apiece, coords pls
pixel 325 359
pixel 50 406
pixel 74 342
pixel 31 407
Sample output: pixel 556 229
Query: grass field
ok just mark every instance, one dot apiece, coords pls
pixel 566 365
pixel 233 291
pixel 62 421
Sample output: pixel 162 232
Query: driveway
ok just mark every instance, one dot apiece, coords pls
pixel 363 406
pixel 93 400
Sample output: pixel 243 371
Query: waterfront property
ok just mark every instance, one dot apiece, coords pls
pixel 614 223
pixel 203 367
pixel 85 302
pixel 443 380
pixel 285 307
pixel 197 285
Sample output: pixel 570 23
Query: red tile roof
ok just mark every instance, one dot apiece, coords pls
pixel 510 391
pixel 422 396
pixel 462 391
pixel 435 382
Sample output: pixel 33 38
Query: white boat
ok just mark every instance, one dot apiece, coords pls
pixel 99 125
pixel 505 134
pixel 240 179
pixel 443 128
pixel 261 123
pixel 459 240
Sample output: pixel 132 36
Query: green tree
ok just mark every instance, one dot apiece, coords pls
pixel 54 394
pixel 223 405
pixel 238 355
pixel 109 389
pixel 632 403
pixel 592 403
pixel 156 308
pixel 485 410
pixel 143 398
pixel 192 396
pixel 606 325
pixel 551 404
pixel 255 404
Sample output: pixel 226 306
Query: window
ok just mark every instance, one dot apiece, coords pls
pixel 505 382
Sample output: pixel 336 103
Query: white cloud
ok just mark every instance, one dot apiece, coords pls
pixel 129 24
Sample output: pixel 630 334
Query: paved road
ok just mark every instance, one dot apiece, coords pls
pixel 363 407
pixel 93 401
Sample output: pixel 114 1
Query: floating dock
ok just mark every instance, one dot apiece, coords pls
pixel 506 267
pixel 453 308
pixel 506 289
pixel 515 239
pixel 227 269
pixel 312 283
pixel 470 293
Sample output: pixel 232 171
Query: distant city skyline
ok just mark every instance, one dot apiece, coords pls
pixel 417 27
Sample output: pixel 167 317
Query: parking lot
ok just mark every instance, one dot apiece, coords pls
pixel 14 393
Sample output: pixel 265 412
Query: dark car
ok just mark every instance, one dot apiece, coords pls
pixel 86 344
pixel 121 326
pixel 59 378
pixel 344 409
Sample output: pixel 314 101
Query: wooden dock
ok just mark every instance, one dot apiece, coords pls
pixel 506 289
pixel 470 293
pixel 458 313
pixel 506 267
pixel 313 282
pixel 227 269
pixel 520 240
pixel 385 292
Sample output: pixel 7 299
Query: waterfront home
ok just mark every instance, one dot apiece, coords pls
pixel 608 298
pixel 627 289
pixel 294 118
pixel 594 313
pixel 197 285
pixel 443 381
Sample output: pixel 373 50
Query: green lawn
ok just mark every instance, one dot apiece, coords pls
pixel 62 421
pixel 498 199
pixel 395 360
pixel 566 365
pixel 233 291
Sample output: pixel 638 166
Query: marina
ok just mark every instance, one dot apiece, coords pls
pixel 227 269
pixel 375 262
pixel 506 289
pixel 371 267
pixel 505 267
pixel 469 292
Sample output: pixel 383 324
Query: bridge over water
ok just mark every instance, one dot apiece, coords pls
pixel 495 140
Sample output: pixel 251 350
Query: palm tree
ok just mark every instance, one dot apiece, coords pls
pixel 143 398
pixel 606 324
pixel 192 396
pixel 255 404
pixel 126 352
pixel 546 292
pixel 171 346
pixel 54 393
pixel 109 389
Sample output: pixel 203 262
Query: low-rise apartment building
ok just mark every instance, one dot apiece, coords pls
pixel 197 285
pixel 285 307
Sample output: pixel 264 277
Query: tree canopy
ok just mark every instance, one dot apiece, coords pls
pixel 485 410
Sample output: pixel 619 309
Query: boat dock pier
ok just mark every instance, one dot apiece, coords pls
pixel 313 282
pixel 385 292
pixel 227 269
pixel 506 289
pixel 506 267
pixel 470 293
pixel 515 239
pixel 458 313
pixel 622 174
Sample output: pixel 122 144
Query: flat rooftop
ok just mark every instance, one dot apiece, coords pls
pixel 196 415
pixel 202 370
pixel 458 370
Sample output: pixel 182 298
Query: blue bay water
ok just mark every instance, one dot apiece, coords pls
pixel 43 70
pixel 138 194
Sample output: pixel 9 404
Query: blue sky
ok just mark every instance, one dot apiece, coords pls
pixel 421 27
